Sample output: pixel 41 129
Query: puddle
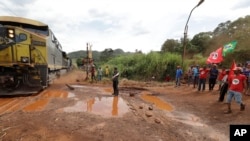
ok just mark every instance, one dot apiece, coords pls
pixel 105 106
pixel 78 86
pixel 71 95
pixel 11 105
pixel 37 105
pixel 40 104
pixel 156 101
pixel 108 90
pixel 55 94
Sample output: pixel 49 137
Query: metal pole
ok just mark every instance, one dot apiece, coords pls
pixel 186 31
pixel 87 70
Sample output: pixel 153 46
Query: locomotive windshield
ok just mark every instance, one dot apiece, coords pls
pixel 38 31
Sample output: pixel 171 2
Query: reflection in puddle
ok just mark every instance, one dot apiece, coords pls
pixel 11 104
pixel 70 95
pixel 55 94
pixel 37 105
pixel 156 101
pixel 45 99
pixel 78 86
pixel 106 106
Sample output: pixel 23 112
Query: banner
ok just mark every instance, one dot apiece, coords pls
pixel 215 57
pixel 229 47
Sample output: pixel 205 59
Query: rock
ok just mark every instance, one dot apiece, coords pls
pixel 149 114
pixel 157 121
pixel 150 107
pixel 140 107
pixel 131 94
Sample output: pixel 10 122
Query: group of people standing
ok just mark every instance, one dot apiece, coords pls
pixel 234 83
pixel 197 76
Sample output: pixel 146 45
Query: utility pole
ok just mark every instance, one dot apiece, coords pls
pixel 87 58
pixel 185 33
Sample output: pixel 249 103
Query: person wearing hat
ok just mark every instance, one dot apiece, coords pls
pixel 237 86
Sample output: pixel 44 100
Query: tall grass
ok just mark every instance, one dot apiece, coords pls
pixel 144 66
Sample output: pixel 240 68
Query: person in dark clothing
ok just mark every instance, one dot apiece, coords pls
pixel 213 77
pixel 93 73
pixel 115 81
pixel 224 86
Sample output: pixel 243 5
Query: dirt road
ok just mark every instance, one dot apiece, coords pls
pixel 144 111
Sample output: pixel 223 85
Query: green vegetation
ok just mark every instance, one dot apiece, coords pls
pixel 144 66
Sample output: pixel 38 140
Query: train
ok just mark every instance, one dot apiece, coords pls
pixel 30 56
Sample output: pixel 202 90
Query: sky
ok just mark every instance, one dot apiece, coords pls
pixel 126 24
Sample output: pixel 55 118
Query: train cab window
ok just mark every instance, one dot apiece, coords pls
pixel 53 38
pixel 22 37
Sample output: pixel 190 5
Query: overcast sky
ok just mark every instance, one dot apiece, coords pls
pixel 127 24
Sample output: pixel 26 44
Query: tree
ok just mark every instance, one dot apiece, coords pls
pixel 106 54
pixel 79 62
pixel 200 42
pixel 171 45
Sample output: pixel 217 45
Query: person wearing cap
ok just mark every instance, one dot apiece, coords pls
pixel 237 86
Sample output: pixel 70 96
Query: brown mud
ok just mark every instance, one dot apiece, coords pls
pixel 143 111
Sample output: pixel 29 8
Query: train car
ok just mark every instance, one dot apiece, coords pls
pixel 30 55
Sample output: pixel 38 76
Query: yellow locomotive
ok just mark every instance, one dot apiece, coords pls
pixel 30 55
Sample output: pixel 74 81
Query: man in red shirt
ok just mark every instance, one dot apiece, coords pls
pixel 237 84
pixel 202 78
pixel 220 77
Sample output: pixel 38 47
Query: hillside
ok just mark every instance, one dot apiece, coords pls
pixel 238 30
pixel 97 55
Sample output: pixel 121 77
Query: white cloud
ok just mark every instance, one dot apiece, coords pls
pixel 125 24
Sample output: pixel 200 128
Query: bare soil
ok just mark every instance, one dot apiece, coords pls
pixel 143 111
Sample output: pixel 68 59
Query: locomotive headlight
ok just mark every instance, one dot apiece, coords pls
pixel 11 31
pixel 25 59
pixel 11 35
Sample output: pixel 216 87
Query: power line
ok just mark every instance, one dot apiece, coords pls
pixel 8 9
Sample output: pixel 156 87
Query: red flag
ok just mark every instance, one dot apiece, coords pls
pixel 215 57
pixel 233 66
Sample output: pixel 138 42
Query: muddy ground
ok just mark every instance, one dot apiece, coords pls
pixel 143 111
